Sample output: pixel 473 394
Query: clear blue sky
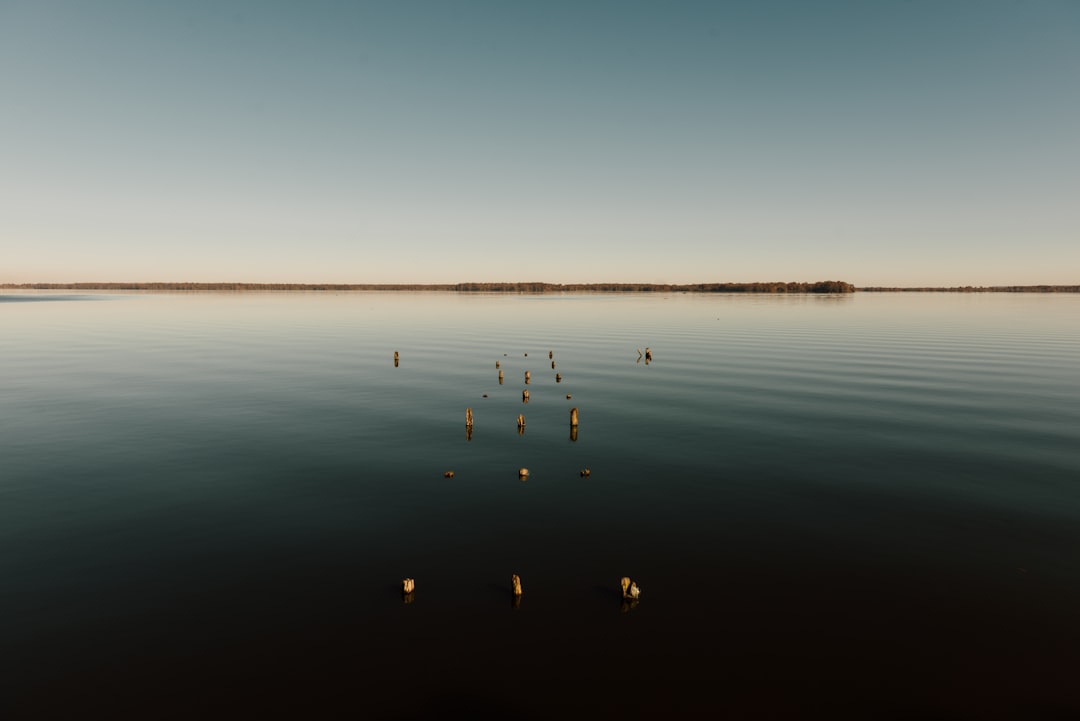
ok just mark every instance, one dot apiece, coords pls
pixel 882 143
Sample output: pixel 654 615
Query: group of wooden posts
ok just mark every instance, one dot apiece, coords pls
pixel 630 590
pixel 524 472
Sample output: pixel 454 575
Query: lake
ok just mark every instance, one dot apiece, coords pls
pixel 858 506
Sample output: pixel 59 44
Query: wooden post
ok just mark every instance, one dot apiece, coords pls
pixel 523 474
pixel 527 377
pixel 630 590
pixel 558 377
pixel 573 417
pixel 552 365
pixel 525 396
pixel 395 359
pixel 468 417
pixel 515 582
pixel 496 364
pixel 551 354
pixel 521 421
pixel 500 377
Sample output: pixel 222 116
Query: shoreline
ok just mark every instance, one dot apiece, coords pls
pixel 818 287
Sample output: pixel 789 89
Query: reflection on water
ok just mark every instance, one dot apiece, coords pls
pixel 210 497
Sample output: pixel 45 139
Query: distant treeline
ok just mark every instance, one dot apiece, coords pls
pixel 825 286
pixel 981 289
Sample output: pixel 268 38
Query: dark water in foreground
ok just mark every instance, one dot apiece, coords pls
pixel 863 506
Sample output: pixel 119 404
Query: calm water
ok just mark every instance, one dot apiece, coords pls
pixel 860 506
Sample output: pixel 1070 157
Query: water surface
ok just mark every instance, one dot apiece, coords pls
pixel 863 505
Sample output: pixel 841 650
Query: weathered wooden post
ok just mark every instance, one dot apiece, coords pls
pixel 500 377
pixel 551 354
pixel 395 359
pixel 496 364
pixel 552 365
pixel 521 424
pixel 515 582
pixel 630 590
pixel 528 376
pixel 448 474
pixel 585 472
pixel 525 396
pixel 648 355
pixel 573 417
pixel 468 418
pixel 523 474
pixel 558 377
pixel 408 585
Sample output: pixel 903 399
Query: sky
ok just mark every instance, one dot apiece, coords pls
pixel 909 143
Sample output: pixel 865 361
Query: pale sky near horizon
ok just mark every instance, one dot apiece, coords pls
pixel 882 143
